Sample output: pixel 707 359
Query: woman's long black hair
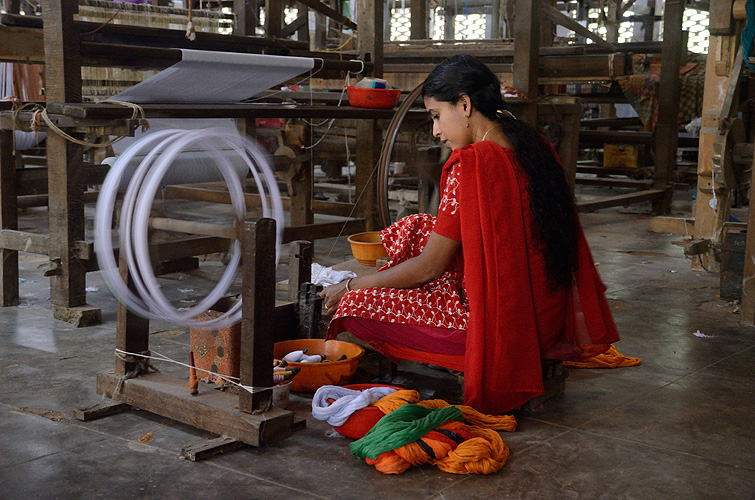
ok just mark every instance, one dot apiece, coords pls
pixel 550 198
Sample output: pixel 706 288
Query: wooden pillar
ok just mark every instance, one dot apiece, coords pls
pixel 547 28
pixel 666 133
pixel 496 18
pixel 527 54
pixel 258 317
pixel 420 16
pixel 247 16
pixel 449 27
pixel 568 149
pixel 709 221
pixel 13 6
pixel 747 313
pixel 65 168
pixel 302 186
pixel 8 219
pixel 612 21
pixel 608 110
pixel 370 47
pixel 273 18
pixel 320 39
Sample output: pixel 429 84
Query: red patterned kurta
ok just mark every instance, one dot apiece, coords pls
pixel 440 303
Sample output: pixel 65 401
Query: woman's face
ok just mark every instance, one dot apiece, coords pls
pixel 449 122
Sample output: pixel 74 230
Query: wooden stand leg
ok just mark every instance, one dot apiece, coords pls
pixel 8 220
pixel 132 331
pixel 257 323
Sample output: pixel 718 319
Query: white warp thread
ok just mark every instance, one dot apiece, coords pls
pixel 347 401
pixel 204 76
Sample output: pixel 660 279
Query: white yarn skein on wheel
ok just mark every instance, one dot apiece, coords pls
pixel 164 147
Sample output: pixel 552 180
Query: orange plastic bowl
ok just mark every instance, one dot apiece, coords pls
pixel 367 247
pixel 361 421
pixel 363 97
pixel 314 375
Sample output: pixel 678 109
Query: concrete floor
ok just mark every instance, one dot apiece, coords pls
pixel 678 426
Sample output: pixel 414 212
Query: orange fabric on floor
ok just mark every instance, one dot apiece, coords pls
pixel 392 401
pixel 612 358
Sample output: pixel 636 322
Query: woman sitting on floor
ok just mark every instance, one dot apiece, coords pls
pixel 503 276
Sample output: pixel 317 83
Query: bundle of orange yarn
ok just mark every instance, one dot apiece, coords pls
pixel 469 447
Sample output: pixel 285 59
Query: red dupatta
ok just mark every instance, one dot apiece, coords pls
pixel 502 365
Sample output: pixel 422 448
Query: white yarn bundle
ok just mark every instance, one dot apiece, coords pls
pixel 347 401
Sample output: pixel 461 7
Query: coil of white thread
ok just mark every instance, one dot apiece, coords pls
pixel 347 401
pixel 163 147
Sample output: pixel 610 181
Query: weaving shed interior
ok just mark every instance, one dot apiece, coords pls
pixel 678 425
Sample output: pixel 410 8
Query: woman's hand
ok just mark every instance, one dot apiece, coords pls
pixel 332 296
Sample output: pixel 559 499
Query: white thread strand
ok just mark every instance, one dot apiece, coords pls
pixel 162 357
pixel 347 401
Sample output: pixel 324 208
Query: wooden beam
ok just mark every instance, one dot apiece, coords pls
pixel 210 447
pixel 324 230
pixel 684 226
pixel 213 411
pixel 295 25
pixel 187 247
pixel 228 232
pixel 567 22
pixel 625 7
pixel 21 45
pixel 320 7
pixel 100 410
pixel 621 200
pixel 220 195
pixel 21 241
pixel 621 183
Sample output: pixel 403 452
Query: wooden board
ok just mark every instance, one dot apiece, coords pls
pixel 100 410
pixel 674 225
pixel 212 410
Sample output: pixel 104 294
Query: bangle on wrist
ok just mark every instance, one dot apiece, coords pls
pixel 348 282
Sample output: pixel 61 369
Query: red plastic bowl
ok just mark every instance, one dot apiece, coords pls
pixel 361 421
pixel 362 97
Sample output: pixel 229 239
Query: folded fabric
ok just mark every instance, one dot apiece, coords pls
pixel 327 276
pixel 612 358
